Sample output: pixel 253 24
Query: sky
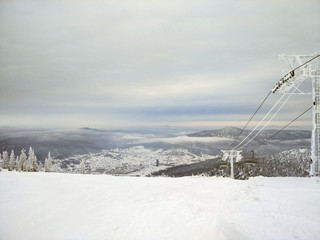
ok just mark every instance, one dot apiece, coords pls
pixel 118 63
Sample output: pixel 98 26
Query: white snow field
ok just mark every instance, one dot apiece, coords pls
pixel 68 206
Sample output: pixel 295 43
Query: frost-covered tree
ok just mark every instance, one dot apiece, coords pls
pixel 40 167
pixel 12 162
pixel 18 164
pixel 35 164
pixel 5 160
pixel 31 164
pixel 28 164
pixel 23 160
pixel 82 167
pixel 48 164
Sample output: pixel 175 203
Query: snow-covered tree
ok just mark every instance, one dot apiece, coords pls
pixel 40 167
pixel 31 164
pixel 35 164
pixel 12 162
pixel 48 164
pixel 82 167
pixel 23 160
pixel 5 160
pixel 28 163
pixel 18 164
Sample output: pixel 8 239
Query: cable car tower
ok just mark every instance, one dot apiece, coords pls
pixel 231 154
pixel 301 68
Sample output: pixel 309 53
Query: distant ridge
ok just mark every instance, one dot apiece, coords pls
pixel 100 130
pixel 93 129
pixel 232 133
pixel 227 132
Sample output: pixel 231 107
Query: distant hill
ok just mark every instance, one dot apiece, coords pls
pixel 227 132
pixel 284 140
pixel 233 132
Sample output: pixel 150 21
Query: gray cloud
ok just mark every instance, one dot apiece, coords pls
pixel 94 59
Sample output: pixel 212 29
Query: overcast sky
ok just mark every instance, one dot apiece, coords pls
pixel 116 63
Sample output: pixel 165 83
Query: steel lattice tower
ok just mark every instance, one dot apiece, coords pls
pixel 292 81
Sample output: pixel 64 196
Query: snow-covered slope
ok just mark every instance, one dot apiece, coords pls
pixel 55 206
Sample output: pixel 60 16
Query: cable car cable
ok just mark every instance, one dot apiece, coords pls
pixel 265 99
pixel 268 121
pixel 306 62
pixel 260 121
pixel 265 140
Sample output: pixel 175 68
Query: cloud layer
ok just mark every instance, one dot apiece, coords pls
pixel 109 63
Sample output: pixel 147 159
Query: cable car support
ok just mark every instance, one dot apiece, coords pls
pixel 305 67
pixel 299 68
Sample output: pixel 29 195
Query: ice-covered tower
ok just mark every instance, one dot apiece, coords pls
pixel 293 82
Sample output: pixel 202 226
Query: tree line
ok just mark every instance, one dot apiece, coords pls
pixel 25 162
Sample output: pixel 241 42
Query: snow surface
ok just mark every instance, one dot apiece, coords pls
pixel 69 206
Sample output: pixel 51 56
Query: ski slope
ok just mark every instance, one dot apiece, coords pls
pixel 54 206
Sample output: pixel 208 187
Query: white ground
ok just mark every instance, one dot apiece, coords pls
pixel 65 206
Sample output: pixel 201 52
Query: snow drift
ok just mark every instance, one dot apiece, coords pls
pixel 64 206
